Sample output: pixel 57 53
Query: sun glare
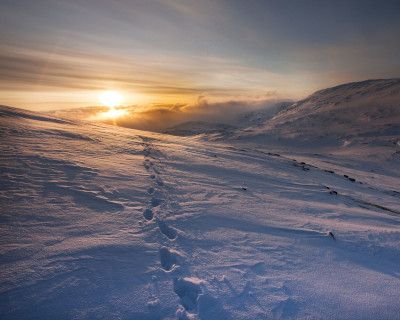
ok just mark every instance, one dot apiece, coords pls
pixel 111 99
pixel 113 113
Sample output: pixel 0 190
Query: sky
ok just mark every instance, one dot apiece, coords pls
pixel 57 54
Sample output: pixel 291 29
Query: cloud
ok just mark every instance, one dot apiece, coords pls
pixel 149 72
pixel 42 79
pixel 174 51
pixel 158 117
pixel 153 75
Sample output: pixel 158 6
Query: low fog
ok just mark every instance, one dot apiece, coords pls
pixel 159 117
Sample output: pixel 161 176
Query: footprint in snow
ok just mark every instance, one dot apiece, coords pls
pixel 188 290
pixel 167 259
pixel 156 170
pixel 148 214
pixel 169 232
pixel 155 202
pixel 150 190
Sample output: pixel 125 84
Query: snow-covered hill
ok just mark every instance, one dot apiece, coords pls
pixel 353 113
pixel 244 119
pixel 260 116
pixel 200 127
pixel 102 222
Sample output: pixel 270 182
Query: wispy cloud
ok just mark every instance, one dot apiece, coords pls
pixel 152 75
pixel 174 51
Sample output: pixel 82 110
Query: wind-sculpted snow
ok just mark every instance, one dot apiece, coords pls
pixel 101 222
pixel 14 113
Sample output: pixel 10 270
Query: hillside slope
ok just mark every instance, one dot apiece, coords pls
pixel 243 119
pixel 366 112
pixel 102 222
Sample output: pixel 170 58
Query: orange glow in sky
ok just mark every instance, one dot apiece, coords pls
pixel 111 99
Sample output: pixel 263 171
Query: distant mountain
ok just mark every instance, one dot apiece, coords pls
pixel 190 128
pixel 341 115
pixel 259 117
pixel 242 120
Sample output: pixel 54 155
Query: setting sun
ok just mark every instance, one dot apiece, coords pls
pixel 111 99
pixel 113 113
pixel 199 160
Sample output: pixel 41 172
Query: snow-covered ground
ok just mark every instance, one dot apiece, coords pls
pixel 101 222
pixel 358 113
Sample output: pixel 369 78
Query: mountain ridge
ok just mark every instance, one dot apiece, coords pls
pixel 352 111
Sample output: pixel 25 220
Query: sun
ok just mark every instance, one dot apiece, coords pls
pixel 113 113
pixel 111 99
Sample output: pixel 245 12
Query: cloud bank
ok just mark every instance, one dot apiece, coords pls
pixel 158 117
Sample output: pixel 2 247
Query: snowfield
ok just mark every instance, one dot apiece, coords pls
pixel 366 112
pixel 102 222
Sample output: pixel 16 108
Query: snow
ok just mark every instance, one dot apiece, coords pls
pixel 346 115
pixel 229 123
pixel 102 222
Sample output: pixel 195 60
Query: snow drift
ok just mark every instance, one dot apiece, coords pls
pixel 102 222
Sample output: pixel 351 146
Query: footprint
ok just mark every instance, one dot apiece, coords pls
pixel 167 259
pixel 155 202
pixel 169 232
pixel 156 170
pixel 258 268
pixel 154 304
pixel 160 182
pixel 152 176
pixel 148 214
pixel 181 314
pixel 150 190
pixel 188 290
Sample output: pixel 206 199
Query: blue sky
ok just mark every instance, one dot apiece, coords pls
pixel 57 54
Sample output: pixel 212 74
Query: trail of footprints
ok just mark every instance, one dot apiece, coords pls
pixel 188 289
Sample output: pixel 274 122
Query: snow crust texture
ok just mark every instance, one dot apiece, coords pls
pixel 101 222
